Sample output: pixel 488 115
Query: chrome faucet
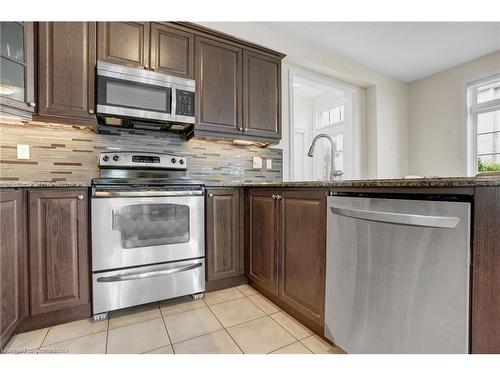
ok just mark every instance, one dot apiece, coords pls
pixel 334 173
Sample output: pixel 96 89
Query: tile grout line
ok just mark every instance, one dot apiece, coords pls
pixel 107 334
pixel 297 341
pixel 282 326
pixel 44 337
pixel 225 329
pixel 166 329
pixel 74 338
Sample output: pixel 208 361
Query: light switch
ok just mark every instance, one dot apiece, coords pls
pixel 269 163
pixel 23 151
pixel 256 162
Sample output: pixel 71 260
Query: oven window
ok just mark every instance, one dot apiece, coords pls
pixel 143 225
pixel 126 94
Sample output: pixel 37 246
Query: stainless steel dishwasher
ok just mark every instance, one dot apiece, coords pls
pixel 397 275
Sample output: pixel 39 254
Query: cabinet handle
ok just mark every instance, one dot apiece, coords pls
pixel 278 197
pixel 275 196
pixel 246 129
pixel 210 195
pixel 153 69
pixel 32 104
pixel 91 111
pixel 80 197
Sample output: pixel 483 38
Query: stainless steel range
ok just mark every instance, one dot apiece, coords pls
pixel 148 239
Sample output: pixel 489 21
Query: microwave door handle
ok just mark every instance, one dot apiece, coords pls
pixel 174 102
pixel 398 218
pixel 144 275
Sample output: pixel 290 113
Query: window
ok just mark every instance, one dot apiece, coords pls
pixel 483 109
pixel 331 116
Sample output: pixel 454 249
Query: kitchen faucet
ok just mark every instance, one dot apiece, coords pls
pixel 334 173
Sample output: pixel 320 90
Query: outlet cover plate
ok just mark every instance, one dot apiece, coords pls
pixel 23 152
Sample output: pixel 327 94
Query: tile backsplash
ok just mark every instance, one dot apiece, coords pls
pixel 69 154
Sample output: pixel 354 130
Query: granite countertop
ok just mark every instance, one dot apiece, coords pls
pixel 442 182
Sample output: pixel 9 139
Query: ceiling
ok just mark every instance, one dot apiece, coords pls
pixel 407 51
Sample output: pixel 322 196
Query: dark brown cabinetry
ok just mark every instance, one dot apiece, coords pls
pixel 66 71
pixel 261 95
pixel 285 245
pixel 17 68
pixel 59 269
pixel 172 51
pixel 218 76
pixel 13 262
pixel 223 233
pixel 262 237
pixel 125 43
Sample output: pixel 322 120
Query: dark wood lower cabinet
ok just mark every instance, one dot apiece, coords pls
pixel 13 262
pixel 59 264
pixel 285 249
pixel 485 322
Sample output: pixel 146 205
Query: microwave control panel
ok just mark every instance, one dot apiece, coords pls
pixel 184 103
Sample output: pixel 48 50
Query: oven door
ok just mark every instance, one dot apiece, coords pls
pixel 132 96
pixel 131 231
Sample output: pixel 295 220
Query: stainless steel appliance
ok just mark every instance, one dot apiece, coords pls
pixel 397 275
pixel 139 98
pixel 148 239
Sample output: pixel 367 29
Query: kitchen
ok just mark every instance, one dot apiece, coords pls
pixel 152 200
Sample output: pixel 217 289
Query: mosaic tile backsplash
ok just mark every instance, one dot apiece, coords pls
pixel 69 154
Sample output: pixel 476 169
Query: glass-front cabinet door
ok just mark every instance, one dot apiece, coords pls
pixel 17 68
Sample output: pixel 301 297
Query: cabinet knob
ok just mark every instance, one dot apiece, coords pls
pixel 210 195
pixel 91 111
pixel 278 197
pixel 32 104
pixel 80 197
pixel 153 69
pixel 275 196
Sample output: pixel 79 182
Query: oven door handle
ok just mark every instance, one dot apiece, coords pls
pixel 179 193
pixel 144 275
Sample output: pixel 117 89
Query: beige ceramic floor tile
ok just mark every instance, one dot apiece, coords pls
pixel 72 330
pixel 319 346
pixel 26 342
pixel 190 324
pixel 235 312
pixel 265 305
pixel 246 289
pixel 91 344
pixel 138 338
pixel 178 305
pixel 295 348
pixel 223 295
pixel 291 325
pixel 260 336
pixel 214 343
pixel 133 315
pixel 163 350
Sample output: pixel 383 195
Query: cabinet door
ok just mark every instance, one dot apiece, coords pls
pixel 125 43
pixel 261 95
pixel 223 234
pixel 263 239
pixel 303 252
pixel 17 68
pixel 218 76
pixel 66 74
pixel 172 51
pixel 59 269
pixel 13 262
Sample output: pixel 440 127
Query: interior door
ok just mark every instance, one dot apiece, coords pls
pixel 263 239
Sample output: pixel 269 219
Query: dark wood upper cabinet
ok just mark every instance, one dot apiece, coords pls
pixel 303 252
pixel 261 95
pixel 172 51
pixel 125 43
pixel 218 79
pixel 59 254
pixel 262 234
pixel 13 262
pixel 224 247
pixel 66 71
pixel 17 68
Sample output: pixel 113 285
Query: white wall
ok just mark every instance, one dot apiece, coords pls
pixel 303 119
pixel 386 96
pixel 435 118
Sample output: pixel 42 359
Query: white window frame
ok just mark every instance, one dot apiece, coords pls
pixel 470 110
pixel 320 110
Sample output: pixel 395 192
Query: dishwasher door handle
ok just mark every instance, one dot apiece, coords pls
pixel 397 218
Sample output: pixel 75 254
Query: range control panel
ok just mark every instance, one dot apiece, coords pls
pixel 141 160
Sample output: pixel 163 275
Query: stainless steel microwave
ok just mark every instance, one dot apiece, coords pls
pixel 143 97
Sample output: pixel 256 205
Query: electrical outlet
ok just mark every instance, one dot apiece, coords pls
pixel 269 163
pixel 23 152
pixel 256 162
